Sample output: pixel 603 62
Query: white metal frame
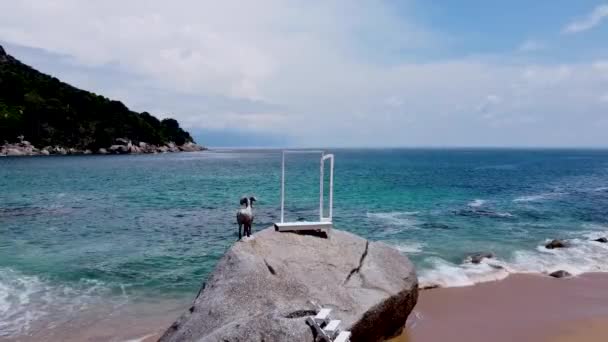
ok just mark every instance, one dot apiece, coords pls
pixel 324 157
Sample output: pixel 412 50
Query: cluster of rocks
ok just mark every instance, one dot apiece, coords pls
pixel 122 146
pixel 476 258
pixel 564 244
pixel 25 148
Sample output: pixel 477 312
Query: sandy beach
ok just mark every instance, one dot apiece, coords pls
pixel 138 322
pixel 519 308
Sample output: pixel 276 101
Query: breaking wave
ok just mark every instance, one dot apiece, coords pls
pixel 404 219
pixel 29 303
pixel 477 203
pixel 408 247
pixel 583 256
pixel 538 197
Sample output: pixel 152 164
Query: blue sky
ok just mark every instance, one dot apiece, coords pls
pixel 335 73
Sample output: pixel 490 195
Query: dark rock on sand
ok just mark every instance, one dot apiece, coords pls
pixel 429 287
pixel 478 257
pixel 263 290
pixel 556 244
pixel 560 274
pixel 602 240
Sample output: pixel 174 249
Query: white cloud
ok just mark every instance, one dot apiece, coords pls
pixel 487 106
pixel 593 19
pixel 531 45
pixel 601 68
pixel 313 71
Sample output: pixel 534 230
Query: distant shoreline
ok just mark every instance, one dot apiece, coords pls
pixel 123 146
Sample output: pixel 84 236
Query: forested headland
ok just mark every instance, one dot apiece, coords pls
pixel 46 112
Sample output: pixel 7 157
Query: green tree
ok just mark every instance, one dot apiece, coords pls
pixel 49 112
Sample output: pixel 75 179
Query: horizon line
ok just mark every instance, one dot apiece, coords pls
pixel 411 147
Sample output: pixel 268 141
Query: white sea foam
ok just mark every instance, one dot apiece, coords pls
pixel 582 256
pixel 595 228
pixel 504 214
pixel 531 198
pixel 601 188
pixel 404 219
pixel 15 293
pixel 446 274
pixel 477 203
pixel 542 196
pixel 408 247
pixel 28 302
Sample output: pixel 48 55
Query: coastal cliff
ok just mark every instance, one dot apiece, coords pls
pixel 53 117
pixel 264 289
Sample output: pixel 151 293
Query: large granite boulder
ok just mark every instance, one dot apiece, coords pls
pixel 263 289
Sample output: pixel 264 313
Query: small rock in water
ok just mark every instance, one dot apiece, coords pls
pixel 602 240
pixel 478 257
pixel 556 244
pixel 560 274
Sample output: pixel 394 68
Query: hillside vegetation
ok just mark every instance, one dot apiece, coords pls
pixel 48 112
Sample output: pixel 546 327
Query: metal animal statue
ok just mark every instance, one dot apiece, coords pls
pixel 244 216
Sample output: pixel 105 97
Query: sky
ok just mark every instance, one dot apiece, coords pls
pixel 335 73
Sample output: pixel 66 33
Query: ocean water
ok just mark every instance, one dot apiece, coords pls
pixel 83 232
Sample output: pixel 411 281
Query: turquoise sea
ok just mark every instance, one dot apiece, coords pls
pixel 78 232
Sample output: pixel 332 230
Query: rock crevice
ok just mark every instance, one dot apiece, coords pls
pixel 358 268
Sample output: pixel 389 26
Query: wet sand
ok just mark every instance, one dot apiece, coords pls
pixel 519 308
pixel 136 322
pixel 587 331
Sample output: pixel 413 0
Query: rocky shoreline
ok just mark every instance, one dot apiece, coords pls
pixel 122 146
